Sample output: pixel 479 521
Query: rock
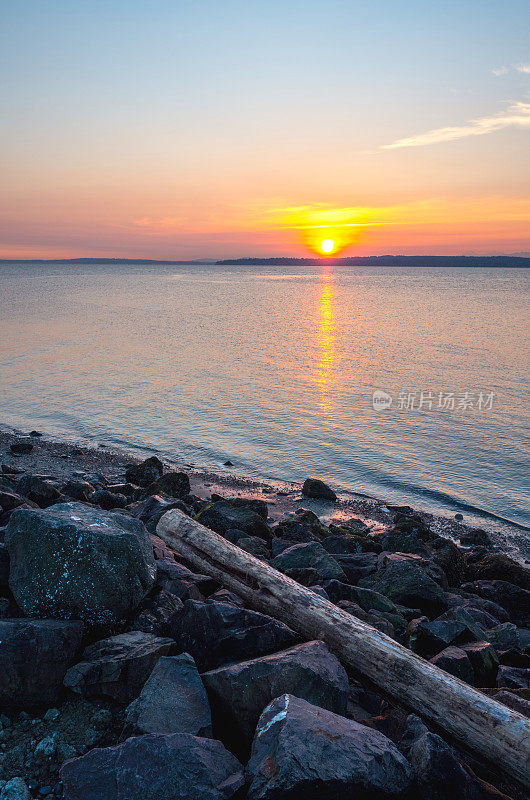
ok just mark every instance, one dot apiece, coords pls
pixel 513 677
pixel 504 637
pixel 348 544
pixel 181 581
pixel 174 484
pixel 407 584
pixel 173 700
pixel 216 633
pixel 433 637
pixel 223 515
pixel 239 692
pixel 154 767
pixel 515 600
pixel 224 596
pixel 21 448
pixel 77 489
pixel 10 469
pixel 117 667
pixel 374 619
pixel 475 536
pixel 107 500
pixel 358 565
pixel 398 541
pixel 514 702
pixel 74 561
pixel 484 661
pixel 39 491
pixel 145 473
pixel 302 751
pixel 455 661
pixel 150 510
pixel 4 570
pixel 10 500
pixel 514 658
pixel 450 559
pixel 309 555
pixel 439 774
pixel 313 487
pixel 497 566
pixel 45 749
pixel 158 614
pixel 15 789
pixel 303 526
pixel 255 546
pixel 34 657
pixel 36 434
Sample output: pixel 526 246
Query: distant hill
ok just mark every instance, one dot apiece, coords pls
pixel 393 261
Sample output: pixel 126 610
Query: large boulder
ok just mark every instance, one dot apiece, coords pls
pixel 303 526
pixel 40 491
pixel 239 692
pixel 484 661
pixel 173 700
pixel 154 767
pixel 303 751
pixel 117 667
pixel 310 555
pixel 224 515
pixel 498 566
pixel 216 633
pixel 76 561
pixel 315 488
pixel 407 584
pixel 513 598
pixel 174 484
pixel 456 662
pixel 145 473
pixel 34 657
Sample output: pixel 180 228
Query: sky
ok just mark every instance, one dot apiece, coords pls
pixel 209 129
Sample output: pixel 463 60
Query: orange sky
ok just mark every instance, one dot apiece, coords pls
pixel 259 129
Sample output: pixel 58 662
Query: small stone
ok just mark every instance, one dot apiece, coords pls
pixel 45 750
pixel 15 789
pixel 51 714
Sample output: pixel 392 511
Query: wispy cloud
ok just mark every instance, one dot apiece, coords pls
pixel 517 115
pixel 500 71
pixel 523 68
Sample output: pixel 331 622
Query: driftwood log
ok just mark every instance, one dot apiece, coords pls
pixel 483 725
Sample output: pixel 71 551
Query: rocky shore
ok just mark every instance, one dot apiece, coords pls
pixel 124 674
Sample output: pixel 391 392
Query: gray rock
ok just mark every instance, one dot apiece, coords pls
pixel 34 657
pixel 303 526
pixel 313 487
pixel 173 700
pixel 224 515
pixel 217 633
pixel 484 661
pixel 255 546
pixel 154 767
pixel 117 667
pixel 75 561
pixel 107 500
pixel 408 584
pixel 38 490
pixel 145 473
pixel 173 484
pixel 239 692
pixel 310 555
pixel 302 751
pixel 456 662
pixel 513 677
pixel 15 789
pixel 439 774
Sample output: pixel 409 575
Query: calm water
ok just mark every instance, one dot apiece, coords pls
pixel 275 368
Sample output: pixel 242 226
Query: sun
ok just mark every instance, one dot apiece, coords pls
pixel 327 245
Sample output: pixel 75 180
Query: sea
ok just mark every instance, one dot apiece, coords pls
pixel 407 384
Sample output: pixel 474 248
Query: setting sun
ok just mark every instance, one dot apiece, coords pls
pixel 327 245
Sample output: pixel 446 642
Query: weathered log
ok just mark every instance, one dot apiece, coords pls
pixel 483 725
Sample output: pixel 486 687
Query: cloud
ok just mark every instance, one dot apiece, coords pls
pixel 523 68
pixel 517 115
pixel 162 224
pixel 500 71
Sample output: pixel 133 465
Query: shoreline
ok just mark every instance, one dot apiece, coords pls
pixel 63 458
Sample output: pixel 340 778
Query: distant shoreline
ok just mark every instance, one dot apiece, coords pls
pixel 521 262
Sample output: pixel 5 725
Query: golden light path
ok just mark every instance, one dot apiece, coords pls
pixel 326 341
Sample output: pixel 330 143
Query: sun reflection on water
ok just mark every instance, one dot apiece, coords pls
pixel 324 372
